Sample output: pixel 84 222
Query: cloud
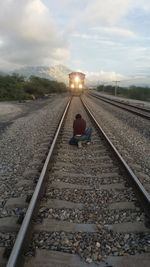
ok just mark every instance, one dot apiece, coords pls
pixel 92 12
pixel 99 33
pixel 103 76
pixel 106 12
pixel 98 39
pixel 61 54
pixel 115 31
pixel 1 42
pixel 83 35
pixel 144 4
pixel 29 35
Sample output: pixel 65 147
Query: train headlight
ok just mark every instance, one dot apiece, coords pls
pixel 72 85
pixel 80 86
pixel 77 79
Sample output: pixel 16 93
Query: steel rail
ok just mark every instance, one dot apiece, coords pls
pixel 124 103
pixel 134 179
pixel 21 237
pixel 124 106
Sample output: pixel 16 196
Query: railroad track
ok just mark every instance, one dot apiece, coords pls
pixel 140 111
pixel 88 208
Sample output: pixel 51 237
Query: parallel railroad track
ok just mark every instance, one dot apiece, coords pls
pixel 140 111
pixel 87 203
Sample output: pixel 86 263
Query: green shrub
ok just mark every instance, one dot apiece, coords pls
pixel 133 92
pixel 15 87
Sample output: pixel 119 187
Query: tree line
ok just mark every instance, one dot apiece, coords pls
pixel 16 87
pixel 133 92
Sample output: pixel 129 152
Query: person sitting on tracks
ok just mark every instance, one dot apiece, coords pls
pixel 80 133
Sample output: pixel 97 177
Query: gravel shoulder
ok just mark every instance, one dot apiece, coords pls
pixel 13 110
pixel 126 100
pixel 23 137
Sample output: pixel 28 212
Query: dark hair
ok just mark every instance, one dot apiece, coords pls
pixel 78 116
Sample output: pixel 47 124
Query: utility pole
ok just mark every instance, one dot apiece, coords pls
pixel 116 85
pixel 103 86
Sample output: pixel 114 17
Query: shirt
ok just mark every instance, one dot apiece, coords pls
pixel 79 126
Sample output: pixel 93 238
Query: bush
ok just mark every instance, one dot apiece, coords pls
pixel 15 87
pixel 41 86
pixel 133 92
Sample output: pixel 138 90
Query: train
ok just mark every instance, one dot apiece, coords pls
pixel 76 83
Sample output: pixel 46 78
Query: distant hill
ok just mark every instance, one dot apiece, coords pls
pixel 58 72
pixel 2 73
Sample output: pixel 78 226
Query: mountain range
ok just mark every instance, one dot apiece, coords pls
pixel 57 72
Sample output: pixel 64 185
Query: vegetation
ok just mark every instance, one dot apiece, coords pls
pixel 133 92
pixel 15 87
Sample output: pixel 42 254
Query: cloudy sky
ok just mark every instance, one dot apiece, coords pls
pixel 106 38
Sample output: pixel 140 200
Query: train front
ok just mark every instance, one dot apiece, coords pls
pixel 76 83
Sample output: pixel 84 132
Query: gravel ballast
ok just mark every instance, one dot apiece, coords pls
pixel 128 132
pixel 93 247
pixel 25 139
pixel 71 171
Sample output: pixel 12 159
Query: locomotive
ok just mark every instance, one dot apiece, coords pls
pixel 76 83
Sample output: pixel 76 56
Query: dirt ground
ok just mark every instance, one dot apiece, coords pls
pixel 10 111
pixel 6 108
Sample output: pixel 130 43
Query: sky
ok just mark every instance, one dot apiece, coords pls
pixel 107 39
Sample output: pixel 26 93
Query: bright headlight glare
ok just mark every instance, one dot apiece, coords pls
pixel 76 79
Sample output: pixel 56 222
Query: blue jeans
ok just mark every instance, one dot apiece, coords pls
pixel 86 137
pixel 88 133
